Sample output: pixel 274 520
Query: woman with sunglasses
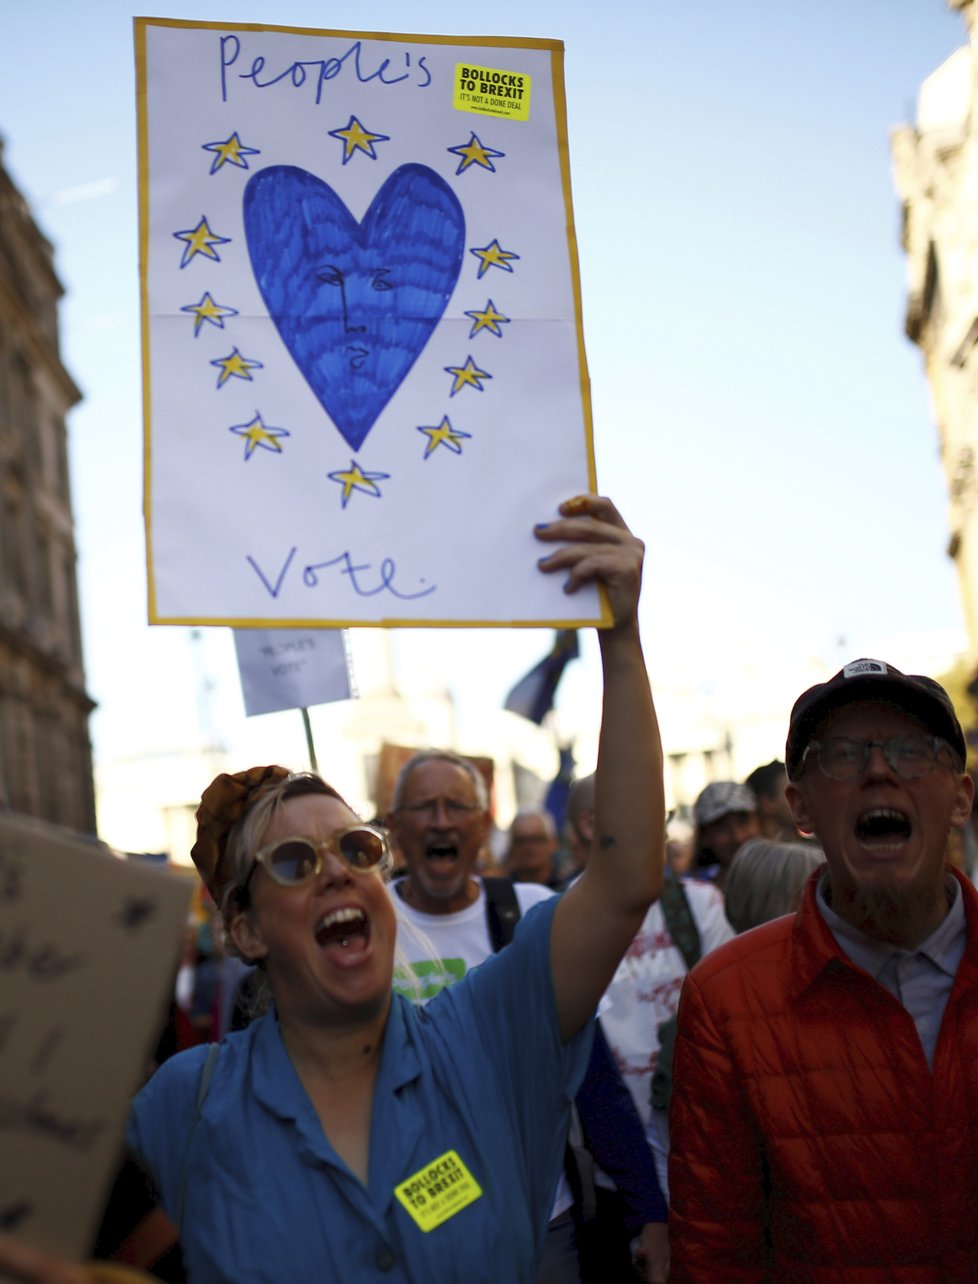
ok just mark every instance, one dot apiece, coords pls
pixel 348 1135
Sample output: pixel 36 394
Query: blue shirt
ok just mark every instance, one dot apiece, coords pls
pixel 921 979
pixel 480 1071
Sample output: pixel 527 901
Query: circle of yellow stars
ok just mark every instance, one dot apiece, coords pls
pixel 355 137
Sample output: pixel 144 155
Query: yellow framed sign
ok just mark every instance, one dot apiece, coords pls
pixel 364 370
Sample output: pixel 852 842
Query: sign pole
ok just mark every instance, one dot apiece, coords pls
pixel 312 748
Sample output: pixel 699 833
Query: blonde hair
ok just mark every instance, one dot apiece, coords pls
pixel 766 880
pixel 244 837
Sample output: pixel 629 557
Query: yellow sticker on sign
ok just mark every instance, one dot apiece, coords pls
pixel 438 1191
pixel 491 91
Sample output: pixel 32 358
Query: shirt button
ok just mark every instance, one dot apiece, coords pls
pixel 385 1259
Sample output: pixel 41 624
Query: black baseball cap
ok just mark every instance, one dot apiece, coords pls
pixel 872 680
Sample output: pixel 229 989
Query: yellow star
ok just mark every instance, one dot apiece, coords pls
pixel 208 310
pixel 493 255
pixel 200 240
pixel 235 366
pixel 231 152
pixel 353 478
pixel 467 374
pixel 488 319
pixel 444 435
pixel 357 139
pixel 474 153
pixel 259 434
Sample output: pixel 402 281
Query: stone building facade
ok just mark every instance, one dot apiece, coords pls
pixel 45 753
pixel 936 174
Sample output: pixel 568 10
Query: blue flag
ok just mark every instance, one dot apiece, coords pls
pixel 559 791
pixel 533 695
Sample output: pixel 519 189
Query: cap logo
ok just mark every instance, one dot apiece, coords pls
pixel 860 667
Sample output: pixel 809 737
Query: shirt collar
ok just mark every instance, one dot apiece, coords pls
pixel 941 948
pixel 278 1086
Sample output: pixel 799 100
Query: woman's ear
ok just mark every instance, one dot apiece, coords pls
pixel 247 937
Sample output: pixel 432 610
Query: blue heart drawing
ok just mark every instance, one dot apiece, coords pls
pixel 355 303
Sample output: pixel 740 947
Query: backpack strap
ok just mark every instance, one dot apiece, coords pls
pixel 680 922
pixel 686 938
pixel 210 1062
pixel 502 911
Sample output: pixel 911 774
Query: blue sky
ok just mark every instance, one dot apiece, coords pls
pixel 759 417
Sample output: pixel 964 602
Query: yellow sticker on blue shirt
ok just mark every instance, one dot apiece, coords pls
pixel 438 1191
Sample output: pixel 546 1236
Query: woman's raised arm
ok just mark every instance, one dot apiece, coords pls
pixel 602 911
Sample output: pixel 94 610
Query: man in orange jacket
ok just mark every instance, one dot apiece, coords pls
pixel 823 1116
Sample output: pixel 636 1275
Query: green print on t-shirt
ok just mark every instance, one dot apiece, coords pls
pixel 434 974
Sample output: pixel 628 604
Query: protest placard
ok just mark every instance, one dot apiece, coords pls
pixel 292 668
pixel 364 370
pixel 88 950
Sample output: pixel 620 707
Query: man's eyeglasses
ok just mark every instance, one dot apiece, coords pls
pixel 842 758
pixel 454 810
pixel 292 861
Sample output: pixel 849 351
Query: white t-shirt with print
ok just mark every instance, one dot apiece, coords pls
pixel 450 944
pixel 644 992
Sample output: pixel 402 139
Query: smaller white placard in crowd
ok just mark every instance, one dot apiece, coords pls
pixel 293 668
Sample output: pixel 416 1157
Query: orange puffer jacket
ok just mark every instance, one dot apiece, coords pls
pixel 810 1141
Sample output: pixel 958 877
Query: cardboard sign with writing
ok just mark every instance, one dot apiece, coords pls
pixel 88 947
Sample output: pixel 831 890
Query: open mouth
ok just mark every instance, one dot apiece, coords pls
pixel 441 854
pixel 883 829
pixel 344 931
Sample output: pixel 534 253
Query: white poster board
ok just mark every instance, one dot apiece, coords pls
pixel 88 951
pixel 364 371
pixel 292 668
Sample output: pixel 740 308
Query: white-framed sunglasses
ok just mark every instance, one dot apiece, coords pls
pixel 292 861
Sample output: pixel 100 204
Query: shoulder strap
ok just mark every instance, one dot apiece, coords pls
pixel 680 922
pixel 579 1169
pixel 502 911
pixel 210 1061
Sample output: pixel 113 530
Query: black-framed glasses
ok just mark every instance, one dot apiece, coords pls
pixel 844 758
pixel 293 861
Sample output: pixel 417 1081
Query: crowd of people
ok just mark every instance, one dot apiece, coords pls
pixel 749 1055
